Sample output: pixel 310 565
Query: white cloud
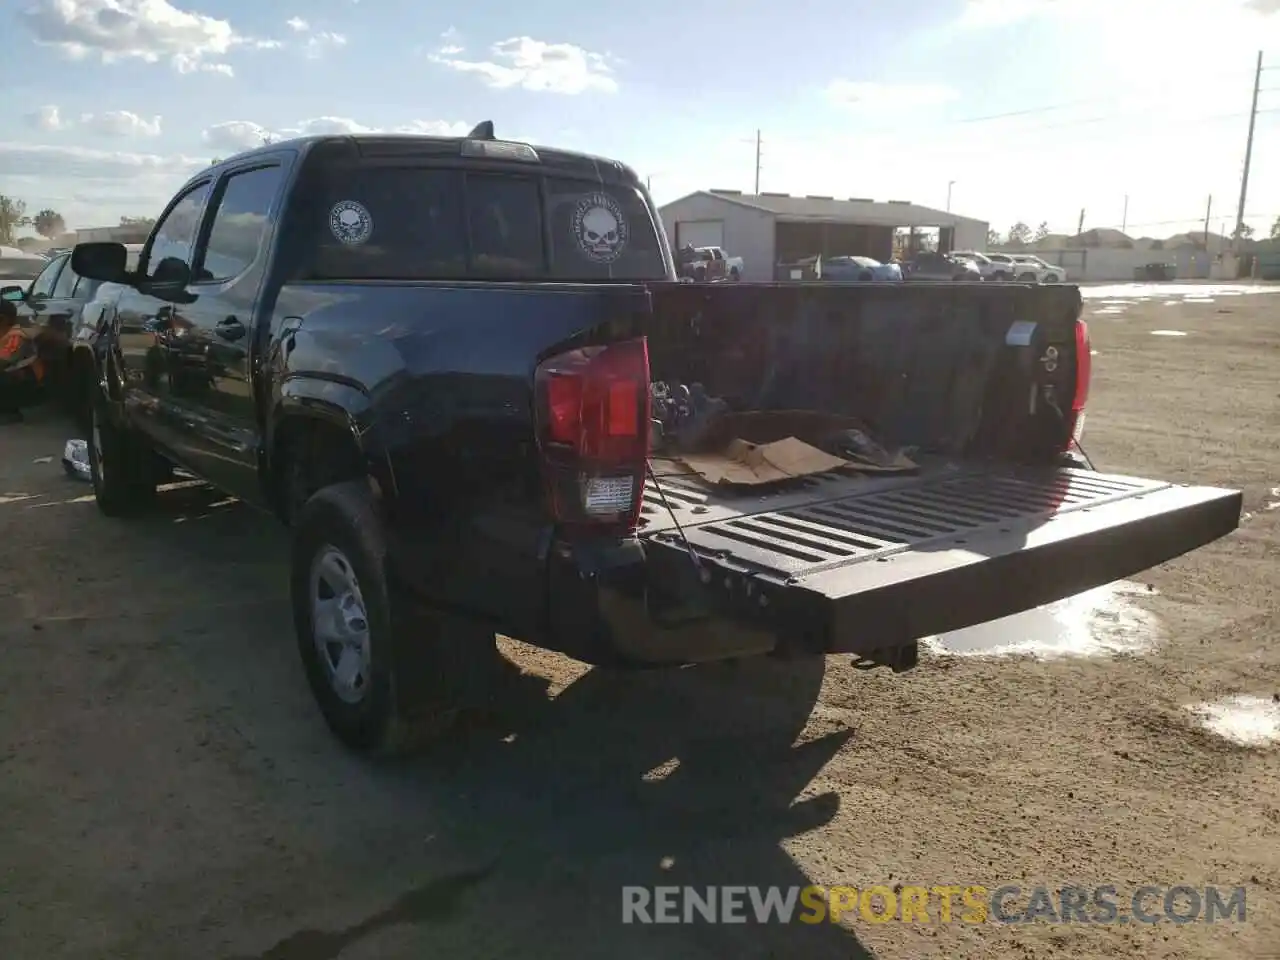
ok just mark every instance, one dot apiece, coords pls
pixel 46 118
pixel 121 123
pixel 534 65
pixel 147 30
pixel 85 163
pixel 865 95
pixel 1159 18
pixel 316 42
pixel 450 43
pixel 323 41
pixel 236 135
pixel 994 13
pixel 110 123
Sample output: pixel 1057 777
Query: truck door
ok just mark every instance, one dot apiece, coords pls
pixel 230 266
pixel 151 333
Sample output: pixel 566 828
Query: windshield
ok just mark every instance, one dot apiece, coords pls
pixel 415 223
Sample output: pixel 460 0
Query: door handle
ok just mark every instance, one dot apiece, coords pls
pixel 229 329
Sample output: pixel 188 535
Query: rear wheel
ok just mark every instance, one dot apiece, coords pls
pixel 865 276
pixel 1000 275
pixel 1051 278
pixel 386 674
pixel 121 465
pixel 734 274
pixel 1027 278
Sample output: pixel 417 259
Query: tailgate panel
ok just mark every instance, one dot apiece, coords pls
pixel 857 573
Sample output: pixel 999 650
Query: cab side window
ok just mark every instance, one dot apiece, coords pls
pixel 42 285
pixel 66 281
pixel 239 223
pixel 175 235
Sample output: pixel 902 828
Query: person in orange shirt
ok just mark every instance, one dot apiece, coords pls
pixel 21 370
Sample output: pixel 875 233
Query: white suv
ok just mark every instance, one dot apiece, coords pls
pixel 1033 268
pixel 989 269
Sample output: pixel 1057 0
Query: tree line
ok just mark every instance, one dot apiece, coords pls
pixel 48 223
pixel 1021 235
pixel 13 216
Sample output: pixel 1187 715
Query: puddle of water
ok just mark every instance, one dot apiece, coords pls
pixel 1163 291
pixel 1168 333
pixel 1272 504
pixel 1242 719
pixel 1108 311
pixel 1098 622
pixel 1117 303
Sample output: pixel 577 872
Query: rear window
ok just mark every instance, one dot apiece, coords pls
pixel 393 223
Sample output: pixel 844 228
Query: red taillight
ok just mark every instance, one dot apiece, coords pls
pixel 1084 373
pixel 593 416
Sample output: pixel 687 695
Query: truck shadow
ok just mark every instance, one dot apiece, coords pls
pixel 557 797
pixel 686 778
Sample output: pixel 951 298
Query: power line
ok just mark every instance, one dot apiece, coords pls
pixel 1145 120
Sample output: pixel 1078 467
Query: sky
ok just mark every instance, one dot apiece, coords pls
pixel 1024 110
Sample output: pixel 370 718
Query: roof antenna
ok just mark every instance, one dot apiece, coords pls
pixel 482 131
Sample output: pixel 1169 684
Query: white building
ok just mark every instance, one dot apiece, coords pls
pixel 769 229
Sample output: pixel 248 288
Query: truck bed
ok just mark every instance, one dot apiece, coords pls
pixel 869 564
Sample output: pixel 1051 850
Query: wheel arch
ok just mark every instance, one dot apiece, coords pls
pixel 315 437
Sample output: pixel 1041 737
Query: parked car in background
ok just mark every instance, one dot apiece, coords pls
pixel 18 266
pixel 711 263
pixel 989 268
pixel 52 302
pixel 928 265
pixel 1045 272
pixel 857 268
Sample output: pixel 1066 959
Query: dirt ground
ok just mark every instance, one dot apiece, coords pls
pixel 168 789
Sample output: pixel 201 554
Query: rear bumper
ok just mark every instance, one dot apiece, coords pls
pixel 610 605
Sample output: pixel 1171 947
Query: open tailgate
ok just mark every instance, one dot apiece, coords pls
pixel 909 557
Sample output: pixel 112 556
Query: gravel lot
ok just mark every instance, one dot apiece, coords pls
pixel 169 789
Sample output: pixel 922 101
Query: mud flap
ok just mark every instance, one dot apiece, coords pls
pixel 873 573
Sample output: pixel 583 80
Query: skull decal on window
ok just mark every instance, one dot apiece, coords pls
pixel 599 227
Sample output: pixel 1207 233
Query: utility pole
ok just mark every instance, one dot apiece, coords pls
pixel 1124 219
pixel 950 184
pixel 758 158
pixel 1080 225
pixel 1208 212
pixel 1248 154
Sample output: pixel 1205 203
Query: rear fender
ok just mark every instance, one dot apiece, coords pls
pixel 340 404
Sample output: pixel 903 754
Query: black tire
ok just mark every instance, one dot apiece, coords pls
pixel 735 274
pixel 1027 278
pixel 1051 278
pixel 1000 275
pixel 423 669
pixel 121 465
pixel 865 276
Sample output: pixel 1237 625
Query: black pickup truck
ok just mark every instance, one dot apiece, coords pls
pixel 432 358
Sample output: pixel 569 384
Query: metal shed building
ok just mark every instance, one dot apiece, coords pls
pixel 769 229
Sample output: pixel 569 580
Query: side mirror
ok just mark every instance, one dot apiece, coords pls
pixel 101 261
pixel 170 280
pixel 13 294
